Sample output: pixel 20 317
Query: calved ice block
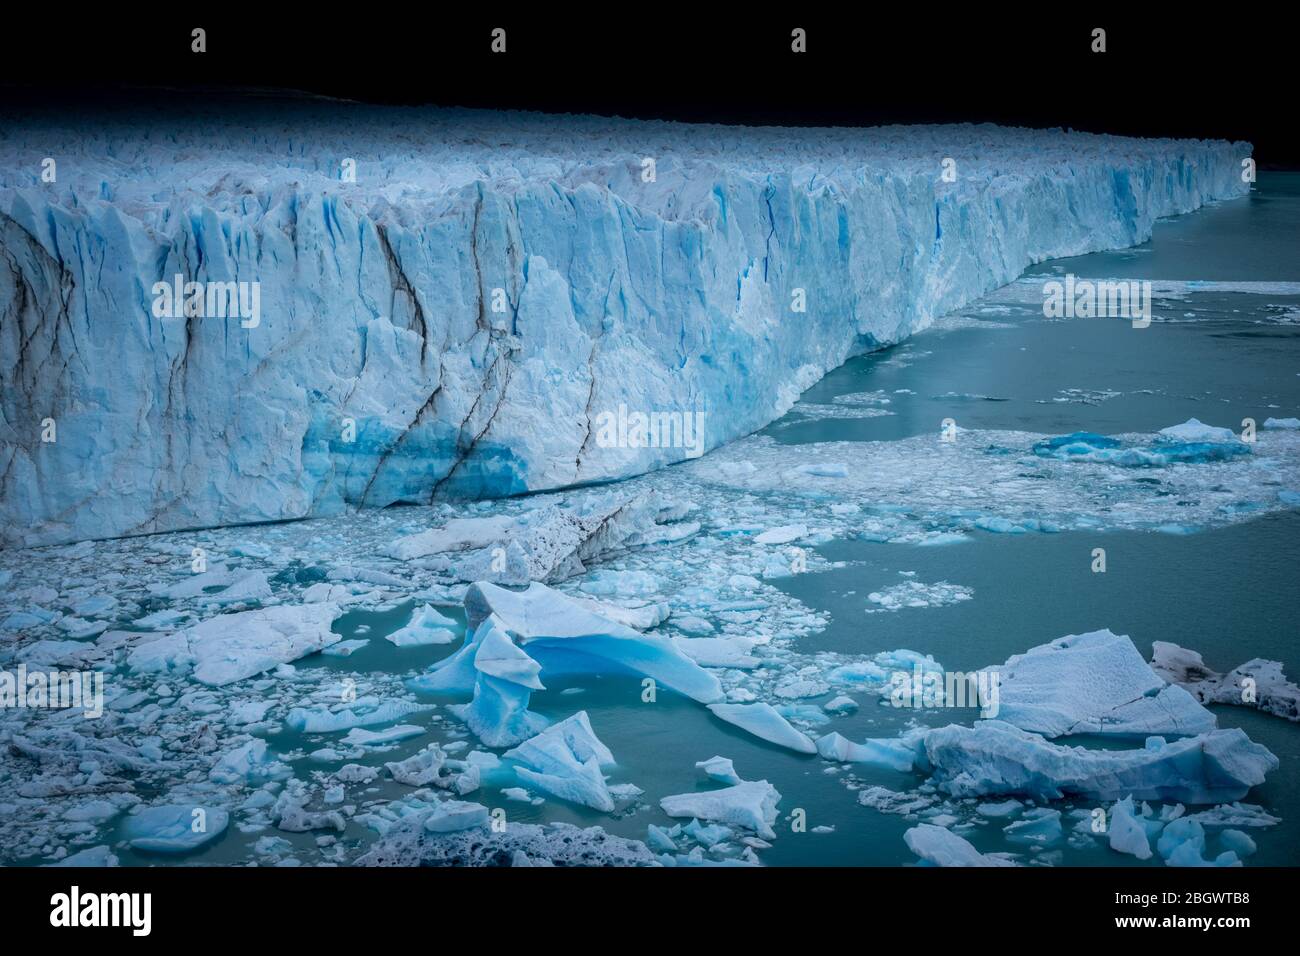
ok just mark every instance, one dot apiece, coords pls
pixel 566 760
pixel 1094 683
pixel 994 758
pixel 517 637
pixel 940 847
pixel 231 647
pixel 1256 683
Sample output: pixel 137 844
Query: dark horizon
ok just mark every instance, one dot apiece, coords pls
pixel 1155 79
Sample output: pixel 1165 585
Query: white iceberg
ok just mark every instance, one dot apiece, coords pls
pixel 1094 683
pixel 231 647
pixel 762 720
pixel 751 804
pixel 1194 430
pixel 175 828
pixel 940 847
pixel 425 627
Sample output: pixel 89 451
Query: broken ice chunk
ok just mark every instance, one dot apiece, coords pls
pixel 750 804
pixel 764 722
pixel 231 647
pixel 940 847
pixel 426 627
pixel 993 757
pixel 1095 683
pixel 175 828
pixel 566 760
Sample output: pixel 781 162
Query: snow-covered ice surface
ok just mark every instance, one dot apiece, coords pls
pixel 551 678
pixel 453 319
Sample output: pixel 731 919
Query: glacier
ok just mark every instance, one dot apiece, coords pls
pixel 449 301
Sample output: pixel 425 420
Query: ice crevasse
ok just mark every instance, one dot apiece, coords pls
pixel 454 320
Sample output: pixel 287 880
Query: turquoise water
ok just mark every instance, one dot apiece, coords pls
pixel 1228 593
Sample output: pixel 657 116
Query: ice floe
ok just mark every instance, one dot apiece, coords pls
pixel 940 847
pixel 1257 683
pixel 750 804
pixel 232 647
pixel 1094 683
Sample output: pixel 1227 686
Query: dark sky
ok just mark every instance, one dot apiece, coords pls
pixel 1174 75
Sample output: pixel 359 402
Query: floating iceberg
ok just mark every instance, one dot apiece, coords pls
pixel 994 758
pixel 231 647
pixel 250 765
pixel 1256 683
pixel 1128 834
pixel 1192 430
pixel 361 713
pixel 751 804
pixel 892 754
pixel 764 722
pixel 174 828
pixel 1094 683
pixel 940 847
pixel 426 627
pixel 566 760
pixel 563 635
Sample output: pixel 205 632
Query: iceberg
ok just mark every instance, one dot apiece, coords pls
pixel 231 647
pixel 764 722
pixel 174 828
pixel 425 627
pixel 994 758
pixel 940 847
pixel 890 754
pixel 361 713
pixel 450 816
pixel 1257 683
pixel 1094 683
pixel 566 760
pixel 463 319
pixel 720 769
pixel 1127 833
pixel 420 769
pixel 751 804
pixel 250 765
pixel 565 636
pixel 1192 430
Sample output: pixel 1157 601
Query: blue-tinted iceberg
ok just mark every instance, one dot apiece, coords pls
pixel 994 758
pixel 559 635
pixel 566 760
pixel 750 804
pixel 175 828
pixel 763 721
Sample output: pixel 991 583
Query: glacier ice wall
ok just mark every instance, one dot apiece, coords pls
pixel 488 285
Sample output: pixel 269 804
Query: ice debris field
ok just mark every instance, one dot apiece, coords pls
pixel 477 678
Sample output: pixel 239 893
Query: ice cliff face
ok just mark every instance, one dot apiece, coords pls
pixel 456 321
